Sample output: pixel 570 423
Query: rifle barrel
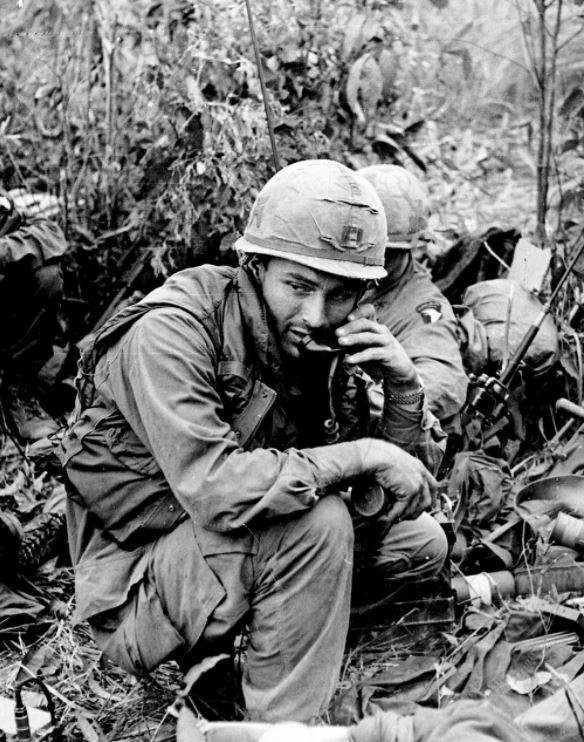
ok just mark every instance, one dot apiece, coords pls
pixel 514 362
pixel 578 248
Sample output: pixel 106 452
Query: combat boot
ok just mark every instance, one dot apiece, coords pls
pixel 31 422
pixel 23 550
pixel 10 537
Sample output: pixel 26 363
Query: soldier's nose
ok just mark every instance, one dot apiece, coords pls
pixel 313 311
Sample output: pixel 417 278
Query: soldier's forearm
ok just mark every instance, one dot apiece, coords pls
pixel 338 463
pixel 341 463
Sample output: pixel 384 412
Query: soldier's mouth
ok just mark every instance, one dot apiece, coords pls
pixel 297 335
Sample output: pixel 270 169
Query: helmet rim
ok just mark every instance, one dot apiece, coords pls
pixel 341 268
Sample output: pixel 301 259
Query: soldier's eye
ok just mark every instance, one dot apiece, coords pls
pixel 342 296
pixel 301 288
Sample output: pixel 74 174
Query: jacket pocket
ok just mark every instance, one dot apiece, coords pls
pixel 130 499
pixel 129 449
pixel 247 423
pixel 246 402
pixel 214 542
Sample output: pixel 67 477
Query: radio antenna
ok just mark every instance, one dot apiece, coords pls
pixel 256 50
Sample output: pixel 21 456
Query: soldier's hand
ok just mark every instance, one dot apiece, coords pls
pixel 406 480
pixel 372 346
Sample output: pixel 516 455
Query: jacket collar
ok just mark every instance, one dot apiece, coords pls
pixel 255 318
pixel 393 280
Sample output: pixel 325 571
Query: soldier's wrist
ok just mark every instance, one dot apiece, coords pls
pixel 375 453
pixel 408 383
pixel 406 396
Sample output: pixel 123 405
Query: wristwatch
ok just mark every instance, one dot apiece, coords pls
pixel 417 395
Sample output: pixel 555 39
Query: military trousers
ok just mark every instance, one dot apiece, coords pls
pixel 293 593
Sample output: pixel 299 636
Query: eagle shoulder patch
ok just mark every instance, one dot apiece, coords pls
pixel 430 311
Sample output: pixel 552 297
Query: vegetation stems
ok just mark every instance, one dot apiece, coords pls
pixel 551 106
pixel 546 78
pixel 69 88
pixel 109 86
pixel 108 32
pixel 542 108
pixel 81 174
pixel 526 42
pixel 63 189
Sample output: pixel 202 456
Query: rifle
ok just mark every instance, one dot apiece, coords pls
pixel 490 400
pixel 126 285
pixel 491 393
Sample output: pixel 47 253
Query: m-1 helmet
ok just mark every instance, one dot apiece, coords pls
pixel 321 214
pixel 405 200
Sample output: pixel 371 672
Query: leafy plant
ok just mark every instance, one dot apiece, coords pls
pixel 146 119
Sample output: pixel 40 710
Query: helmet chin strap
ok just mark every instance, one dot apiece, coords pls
pixel 253 264
pixel 362 292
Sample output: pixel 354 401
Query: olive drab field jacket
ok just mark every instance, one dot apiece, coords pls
pixel 421 319
pixel 183 411
pixel 36 241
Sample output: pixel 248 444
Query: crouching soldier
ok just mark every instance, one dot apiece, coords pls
pixel 408 303
pixel 31 285
pixel 203 468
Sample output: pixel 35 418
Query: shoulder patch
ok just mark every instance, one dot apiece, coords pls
pixel 430 311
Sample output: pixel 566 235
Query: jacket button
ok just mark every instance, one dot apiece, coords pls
pixel 171 508
pixel 238 433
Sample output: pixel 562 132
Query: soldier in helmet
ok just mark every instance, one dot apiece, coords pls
pixel 211 444
pixel 407 302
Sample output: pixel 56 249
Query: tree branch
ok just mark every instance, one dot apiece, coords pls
pixel 494 53
pixel 541 205
pixel 528 49
pixel 571 38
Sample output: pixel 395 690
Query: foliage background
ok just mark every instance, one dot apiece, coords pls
pixel 145 117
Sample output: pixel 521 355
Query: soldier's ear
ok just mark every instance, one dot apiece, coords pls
pixel 257 265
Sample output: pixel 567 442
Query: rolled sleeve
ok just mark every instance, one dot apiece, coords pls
pixel 415 429
pixel 38 241
pixel 434 350
pixel 429 339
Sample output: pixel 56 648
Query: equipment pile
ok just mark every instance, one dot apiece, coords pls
pixel 507 624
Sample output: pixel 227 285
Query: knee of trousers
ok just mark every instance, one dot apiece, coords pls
pixel 434 550
pixel 329 528
pixel 414 549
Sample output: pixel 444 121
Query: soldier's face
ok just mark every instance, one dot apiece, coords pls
pixel 303 301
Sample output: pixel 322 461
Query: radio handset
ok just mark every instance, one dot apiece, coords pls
pixel 309 345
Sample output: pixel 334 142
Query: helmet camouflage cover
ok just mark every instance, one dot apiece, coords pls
pixel 405 200
pixel 321 214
